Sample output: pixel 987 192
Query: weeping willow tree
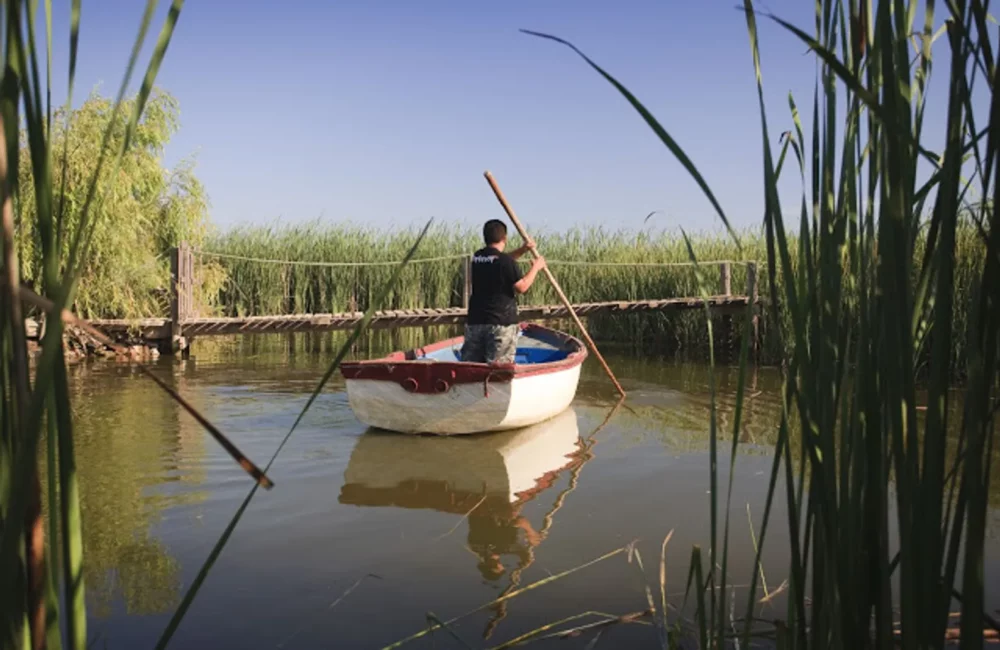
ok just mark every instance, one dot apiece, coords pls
pixel 144 210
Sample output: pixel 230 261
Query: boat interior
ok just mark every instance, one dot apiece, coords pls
pixel 531 349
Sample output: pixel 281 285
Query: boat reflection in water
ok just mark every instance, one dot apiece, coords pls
pixel 486 478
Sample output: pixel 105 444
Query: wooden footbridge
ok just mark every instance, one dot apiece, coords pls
pixel 176 332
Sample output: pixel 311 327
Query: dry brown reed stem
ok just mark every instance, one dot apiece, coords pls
pixel 607 620
pixel 534 585
pixel 34 531
pixel 459 522
pixel 990 637
pixel 34 547
pixel 69 318
pixel 624 618
pixel 340 598
pixel 663 577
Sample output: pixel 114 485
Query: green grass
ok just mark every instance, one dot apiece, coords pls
pixel 616 269
pixel 255 288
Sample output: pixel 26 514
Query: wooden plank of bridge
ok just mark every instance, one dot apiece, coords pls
pixel 177 331
pixel 163 328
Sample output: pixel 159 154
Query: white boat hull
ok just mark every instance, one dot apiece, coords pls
pixel 432 390
pixel 464 408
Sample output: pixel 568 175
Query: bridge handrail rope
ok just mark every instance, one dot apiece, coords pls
pixel 698 263
pixel 457 256
pixel 261 260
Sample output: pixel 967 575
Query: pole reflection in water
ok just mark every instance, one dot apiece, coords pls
pixel 487 479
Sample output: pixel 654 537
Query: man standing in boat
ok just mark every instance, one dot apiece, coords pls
pixel 491 325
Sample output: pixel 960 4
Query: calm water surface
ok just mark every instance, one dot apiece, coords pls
pixel 366 532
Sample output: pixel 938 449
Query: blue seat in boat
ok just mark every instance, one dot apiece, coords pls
pixel 538 355
pixel 539 352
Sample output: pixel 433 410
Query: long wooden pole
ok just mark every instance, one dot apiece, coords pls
pixel 552 280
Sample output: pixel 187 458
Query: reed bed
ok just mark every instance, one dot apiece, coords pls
pixel 592 265
pixel 866 292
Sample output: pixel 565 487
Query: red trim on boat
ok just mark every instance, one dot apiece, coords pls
pixel 416 375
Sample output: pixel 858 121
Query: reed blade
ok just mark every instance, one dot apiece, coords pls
pixel 345 349
pixel 54 636
pixel 70 517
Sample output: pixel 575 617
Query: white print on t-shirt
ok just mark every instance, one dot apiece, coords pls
pixel 485 259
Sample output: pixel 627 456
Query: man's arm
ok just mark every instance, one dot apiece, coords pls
pixel 518 253
pixel 522 285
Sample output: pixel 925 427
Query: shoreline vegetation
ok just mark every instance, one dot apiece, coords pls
pixel 269 270
pixel 593 264
pixel 127 272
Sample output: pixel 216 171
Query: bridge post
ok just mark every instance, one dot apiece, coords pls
pixel 181 296
pixel 726 323
pixel 466 281
pixel 726 276
pixel 752 295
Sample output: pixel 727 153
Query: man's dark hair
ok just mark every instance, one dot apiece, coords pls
pixel 494 231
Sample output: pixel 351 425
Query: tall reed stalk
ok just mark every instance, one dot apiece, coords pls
pixel 37 561
pixel 865 294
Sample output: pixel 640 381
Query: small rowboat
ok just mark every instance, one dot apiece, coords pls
pixel 430 390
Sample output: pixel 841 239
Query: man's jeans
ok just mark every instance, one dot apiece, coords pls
pixel 490 343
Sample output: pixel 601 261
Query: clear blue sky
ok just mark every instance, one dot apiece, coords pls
pixel 387 112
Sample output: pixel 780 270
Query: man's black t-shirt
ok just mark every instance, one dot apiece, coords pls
pixel 494 275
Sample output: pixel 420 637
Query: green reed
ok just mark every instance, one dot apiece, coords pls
pixel 592 264
pixel 41 550
pixel 893 274
pixel 38 558
pixel 256 288
pixel 42 555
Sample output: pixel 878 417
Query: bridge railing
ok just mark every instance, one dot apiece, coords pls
pixel 184 319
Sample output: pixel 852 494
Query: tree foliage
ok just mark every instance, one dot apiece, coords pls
pixel 141 209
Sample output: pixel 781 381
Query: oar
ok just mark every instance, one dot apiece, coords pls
pixel 552 280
